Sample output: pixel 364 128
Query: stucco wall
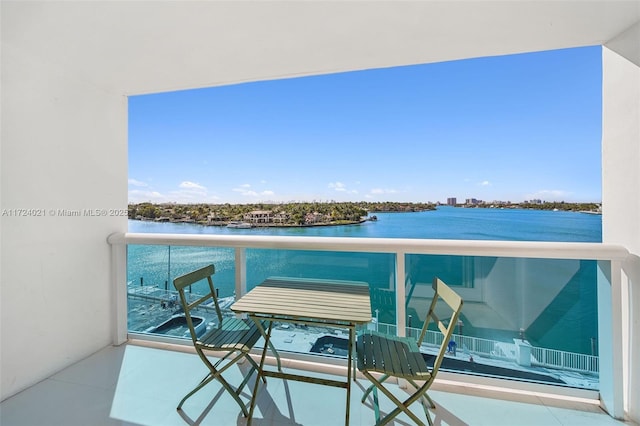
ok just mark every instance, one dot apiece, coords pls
pixel 620 151
pixel 620 183
pixel 64 147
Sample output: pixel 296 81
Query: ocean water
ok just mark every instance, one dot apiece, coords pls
pixel 568 322
pixel 443 223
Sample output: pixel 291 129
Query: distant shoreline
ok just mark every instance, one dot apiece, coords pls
pixel 306 215
pixel 256 225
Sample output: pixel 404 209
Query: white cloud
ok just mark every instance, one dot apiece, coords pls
pixel 338 186
pixel 341 187
pixel 187 192
pixel 245 191
pixel 485 183
pixel 134 182
pixel 192 185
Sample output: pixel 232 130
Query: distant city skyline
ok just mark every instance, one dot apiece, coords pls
pixel 508 128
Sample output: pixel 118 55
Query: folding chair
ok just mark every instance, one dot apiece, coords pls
pixel 400 357
pixel 231 339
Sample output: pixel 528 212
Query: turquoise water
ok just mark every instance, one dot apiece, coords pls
pixel 443 223
pixel 567 322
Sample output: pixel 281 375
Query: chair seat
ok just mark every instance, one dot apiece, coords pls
pixel 400 357
pixel 238 334
pixel 392 355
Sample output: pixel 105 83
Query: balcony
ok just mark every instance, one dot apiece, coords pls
pixel 141 378
pixel 478 268
pixel 140 384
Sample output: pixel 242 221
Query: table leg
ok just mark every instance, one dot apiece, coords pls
pixel 349 361
pixel 260 373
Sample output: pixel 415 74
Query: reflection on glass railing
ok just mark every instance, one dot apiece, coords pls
pixel 525 319
pixel 528 319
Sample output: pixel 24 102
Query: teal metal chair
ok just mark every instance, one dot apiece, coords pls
pixel 230 340
pixel 400 357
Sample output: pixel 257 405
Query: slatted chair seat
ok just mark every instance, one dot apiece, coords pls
pixel 231 339
pixel 391 355
pixel 400 357
pixel 235 334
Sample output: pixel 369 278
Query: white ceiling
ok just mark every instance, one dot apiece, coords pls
pixel 134 47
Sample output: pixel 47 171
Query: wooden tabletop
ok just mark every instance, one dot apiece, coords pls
pixel 308 299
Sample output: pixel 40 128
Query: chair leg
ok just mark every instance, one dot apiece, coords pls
pixel 209 377
pixel 235 394
pixel 376 405
pixel 372 387
pixel 421 392
pixel 247 376
pixel 254 367
pixel 216 374
pixel 431 404
pixel 426 396
pixel 402 406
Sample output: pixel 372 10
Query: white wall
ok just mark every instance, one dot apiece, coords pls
pixel 620 183
pixel 64 146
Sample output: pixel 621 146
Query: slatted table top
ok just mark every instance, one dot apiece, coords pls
pixel 308 299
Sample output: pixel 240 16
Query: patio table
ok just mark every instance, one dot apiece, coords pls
pixel 331 303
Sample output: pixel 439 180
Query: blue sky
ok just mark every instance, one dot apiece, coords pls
pixel 509 128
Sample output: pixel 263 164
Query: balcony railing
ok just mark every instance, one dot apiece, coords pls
pixel 565 298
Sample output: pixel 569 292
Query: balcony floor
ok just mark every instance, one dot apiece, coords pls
pixel 140 385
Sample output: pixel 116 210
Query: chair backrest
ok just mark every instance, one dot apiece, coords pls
pixel 454 303
pixel 184 281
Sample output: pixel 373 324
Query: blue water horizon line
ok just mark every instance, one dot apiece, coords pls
pixel 446 222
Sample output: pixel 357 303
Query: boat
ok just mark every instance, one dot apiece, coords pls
pixel 177 326
pixel 239 225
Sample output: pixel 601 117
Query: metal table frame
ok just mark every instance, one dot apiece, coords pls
pixel 332 303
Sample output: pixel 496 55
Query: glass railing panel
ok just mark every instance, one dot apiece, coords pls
pixel 376 269
pixel 152 301
pixel 526 319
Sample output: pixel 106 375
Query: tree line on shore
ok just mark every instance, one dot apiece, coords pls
pixel 556 205
pixel 299 213
pixel 290 213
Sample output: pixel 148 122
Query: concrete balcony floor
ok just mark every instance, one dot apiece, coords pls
pixel 141 385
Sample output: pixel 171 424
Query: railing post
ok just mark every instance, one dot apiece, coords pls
pixel 241 271
pixel 401 280
pixel 119 292
pixel 631 289
pixel 400 294
pixel 610 345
